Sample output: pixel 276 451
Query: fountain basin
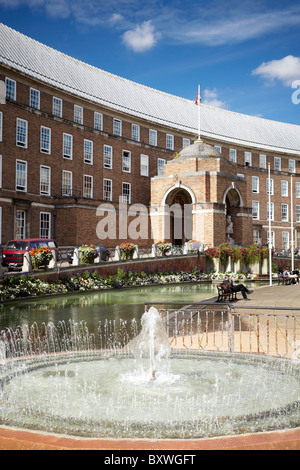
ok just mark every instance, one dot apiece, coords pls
pixel 196 395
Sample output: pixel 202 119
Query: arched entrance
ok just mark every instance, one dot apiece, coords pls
pixel 233 203
pixel 179 203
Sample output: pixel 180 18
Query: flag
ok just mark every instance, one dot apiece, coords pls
pixel 198 99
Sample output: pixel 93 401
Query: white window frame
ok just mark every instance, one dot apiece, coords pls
pixel 117 127
pixel 292 166
pixel 277 164
pixel 218 148
pixel 98 121
pixel 232 155
pixel 135 132
pixel 284 212
pixel 22 133
pixel 255 210
pixel 126 193
pixel 20 177
pixel 169 141
pixel 284 188
pixel 107 194
pixel 34 98
pixel 67 186
pixel 0 171
pixel 256 237
pixel 126 161
pixel 144 165
pixel 43 183
pixel 271 185
pixel 0 225
pixel 255 184
pixel 160 166
pixel 88 184
pixel 45 225
pixel 45 140
pixel 272 238
pixel 248 158
pixel 57 106
pixel 186 142
pixel 297 213
pixel 285 237
pixel 297 189
pixel 20 227
pixel 11 89
pixel 1 126
pixel 67 146
pixel 88 151
pixel 78 114
pixel 262 161
pixel 107 157
pixel 153 137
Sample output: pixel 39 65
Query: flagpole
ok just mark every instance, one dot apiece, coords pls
pixel 292 225
pixel 199 117
pixel 270 227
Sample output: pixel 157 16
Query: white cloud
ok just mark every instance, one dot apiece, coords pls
pixel 210 97
pixel 285 70
pixel 141 38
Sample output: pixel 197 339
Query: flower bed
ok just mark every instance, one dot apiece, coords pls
pixel 24 286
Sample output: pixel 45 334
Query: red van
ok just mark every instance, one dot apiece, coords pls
pixel 14 250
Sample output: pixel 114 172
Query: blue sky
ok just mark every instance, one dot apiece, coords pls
pixel 245 54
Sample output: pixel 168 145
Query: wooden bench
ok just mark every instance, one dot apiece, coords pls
pixel 225 295
pixel 285 280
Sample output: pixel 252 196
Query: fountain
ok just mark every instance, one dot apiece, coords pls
pixel 62 379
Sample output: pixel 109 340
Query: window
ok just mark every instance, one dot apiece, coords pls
pixel 107 190
pixel 107 160
pixel 1 126
pixel 45 180
pixel 292 166
pixel 277 163
pixel 126 193
pixel 67 177
pixel 256 237
pixel 297 213
pixel 57 107
pixel 186 142
pixel 20 225
pixel 255 184
pixel 45 140
pixel 117 129
pixel 0 175
pixel 22 132
pixel 126 161
pixel 34 100
pixel 98 121
pixel 255 210
pixel 218 148
pixel 270 213
pixel 262 161
pixel 21 176
pixel 232 155
pixel 285 240
pixel 78 114
pixel 11 88
pixel 272 238
pixel 169 142
pixel 135 132
pixel 45 225
pixel 87 186
pixel 284 212
pixel 68 146
pixel 284 188
pixel 144 165
pixel 153 137
pixel 270 186
pixel 160 166
pixel 248 158
pixel 297 189
pixel 88 151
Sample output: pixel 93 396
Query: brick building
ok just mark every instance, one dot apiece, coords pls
pixel 74 138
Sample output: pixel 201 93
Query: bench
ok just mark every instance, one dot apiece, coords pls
pixel 286 280
pixel 225 295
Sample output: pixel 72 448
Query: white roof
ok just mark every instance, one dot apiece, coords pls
pixel 71 75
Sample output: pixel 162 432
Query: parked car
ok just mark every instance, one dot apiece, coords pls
pixel 14 250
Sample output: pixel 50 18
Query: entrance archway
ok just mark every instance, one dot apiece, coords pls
pixel 179 202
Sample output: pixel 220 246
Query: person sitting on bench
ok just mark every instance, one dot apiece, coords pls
pixel 238 288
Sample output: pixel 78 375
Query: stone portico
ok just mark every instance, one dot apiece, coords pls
pixel 200 197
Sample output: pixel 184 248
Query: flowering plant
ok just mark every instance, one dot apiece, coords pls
pixel 87 254
pixel 127 250
pixel 193 246
pixel 40 257
pixel 163 248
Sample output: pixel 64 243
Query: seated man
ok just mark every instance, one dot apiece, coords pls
pixel 236 288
